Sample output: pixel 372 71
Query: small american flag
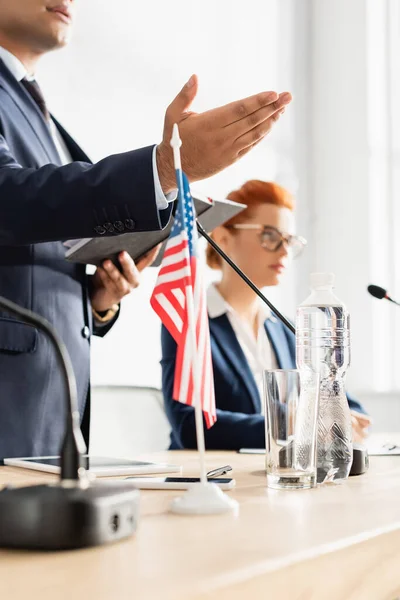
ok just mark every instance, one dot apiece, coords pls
pixel 179 277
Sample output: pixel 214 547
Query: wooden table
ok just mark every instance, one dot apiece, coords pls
pixel 332 543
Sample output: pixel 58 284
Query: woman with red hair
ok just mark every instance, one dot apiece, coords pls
pixel 246 338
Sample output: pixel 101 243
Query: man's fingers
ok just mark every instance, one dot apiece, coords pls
pixel 129 269
pixel 116 278
pixel 102 275
pixel 259 138
pixel 263 123
pixel 183 100
pixel 246 150
pixel 256 118
pixel 256 135
pixel 242 110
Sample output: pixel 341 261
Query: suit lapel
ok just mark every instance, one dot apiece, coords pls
pixel 279 343
pixel 30 112
pixel 223 334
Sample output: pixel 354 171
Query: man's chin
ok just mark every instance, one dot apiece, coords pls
pixel 55 41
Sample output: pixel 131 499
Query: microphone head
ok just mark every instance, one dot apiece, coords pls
pixel 377 292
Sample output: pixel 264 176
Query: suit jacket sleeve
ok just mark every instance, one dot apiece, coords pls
pixel 55 203
pixel 233 430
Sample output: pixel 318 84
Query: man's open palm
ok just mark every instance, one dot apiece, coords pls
pixel 213 140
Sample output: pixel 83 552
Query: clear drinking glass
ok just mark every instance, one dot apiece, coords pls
pixel 290 431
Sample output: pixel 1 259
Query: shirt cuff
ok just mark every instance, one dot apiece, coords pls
pixel 162 200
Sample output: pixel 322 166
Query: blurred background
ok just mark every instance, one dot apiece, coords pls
pixel 337 149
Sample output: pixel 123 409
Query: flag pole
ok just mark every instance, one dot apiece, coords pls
pixel 196 382
pixel 176 143
pixel 204 497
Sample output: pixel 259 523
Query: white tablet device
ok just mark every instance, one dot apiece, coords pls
pixel 98 465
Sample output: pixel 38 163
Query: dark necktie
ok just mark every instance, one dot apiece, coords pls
pixel 32 87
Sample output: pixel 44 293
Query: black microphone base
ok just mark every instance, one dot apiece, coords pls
pixel 53 517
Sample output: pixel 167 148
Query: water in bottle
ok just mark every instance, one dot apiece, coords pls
pixel 322 357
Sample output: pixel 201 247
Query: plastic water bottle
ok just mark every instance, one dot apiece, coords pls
pixel 322 357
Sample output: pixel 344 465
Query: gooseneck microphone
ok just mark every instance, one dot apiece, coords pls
pixel 379 292
pixel 234 266
pixel 74 512
pixel 73 446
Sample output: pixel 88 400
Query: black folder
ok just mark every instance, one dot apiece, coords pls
pixel 94 251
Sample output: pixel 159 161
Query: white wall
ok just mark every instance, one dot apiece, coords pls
pixel 347 140
pixel 110 88
pixel 347 157
pixel 337 165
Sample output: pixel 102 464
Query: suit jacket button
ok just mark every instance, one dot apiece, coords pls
pixel 99 229
pixel 130 224
pixel 85 332
pixel 109 227
pixel 119 226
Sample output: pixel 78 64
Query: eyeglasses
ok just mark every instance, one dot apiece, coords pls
pixel 272 239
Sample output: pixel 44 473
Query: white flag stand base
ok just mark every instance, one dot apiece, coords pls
pixel 204 499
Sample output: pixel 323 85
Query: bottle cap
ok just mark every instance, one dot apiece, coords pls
pixel 322 280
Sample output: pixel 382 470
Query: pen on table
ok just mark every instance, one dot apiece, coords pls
pixel 219 471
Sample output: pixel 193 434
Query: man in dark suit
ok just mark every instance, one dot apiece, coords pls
pixel 49 191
